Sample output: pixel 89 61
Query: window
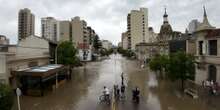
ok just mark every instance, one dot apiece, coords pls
pixel 212 47
pixel 200 47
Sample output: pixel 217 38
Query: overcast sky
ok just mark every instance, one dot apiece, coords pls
pixel 107 17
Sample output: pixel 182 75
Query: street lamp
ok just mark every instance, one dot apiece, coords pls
pixel 56 63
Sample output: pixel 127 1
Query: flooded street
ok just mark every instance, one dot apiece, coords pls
pixel 83 91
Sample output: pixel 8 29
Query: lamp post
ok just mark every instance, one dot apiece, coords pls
pixel 56 63
pixel 18 93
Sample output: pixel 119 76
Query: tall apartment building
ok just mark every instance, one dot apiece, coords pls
pixel 193 25
pixel 26 23
pixel 80 34
pixel 64 31
pixel 124 40
pixel 137 26
pixel 49 28
pixel 92 35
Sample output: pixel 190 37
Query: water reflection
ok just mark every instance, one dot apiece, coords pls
pixel 83 91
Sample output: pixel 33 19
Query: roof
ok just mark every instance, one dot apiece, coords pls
pixel 42 71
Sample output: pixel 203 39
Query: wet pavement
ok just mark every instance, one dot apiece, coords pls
pixel 83 91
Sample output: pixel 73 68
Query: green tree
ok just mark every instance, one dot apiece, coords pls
pixel 66 53
pixel 97 43
pixel 181 66
pixel 159 63
pixel 6 97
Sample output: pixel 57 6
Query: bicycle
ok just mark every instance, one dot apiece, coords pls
pixel 105 99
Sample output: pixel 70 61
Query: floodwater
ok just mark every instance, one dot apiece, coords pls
pixel 83 91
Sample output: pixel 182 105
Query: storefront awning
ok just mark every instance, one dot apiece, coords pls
pixel 41 71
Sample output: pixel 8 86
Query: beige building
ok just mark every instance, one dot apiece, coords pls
pixel 124 40
pixel 26 23
pixel 49 28
pixel 64 31
pixel 137 26
pixel 80 34
pixel 29 52
pixel 4 40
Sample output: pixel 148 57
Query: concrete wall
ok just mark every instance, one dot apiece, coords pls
pixel 29 51
pixel 3 75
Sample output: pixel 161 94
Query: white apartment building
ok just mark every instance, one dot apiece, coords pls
pixel 26 23
pixel 137 26
pixel 49 28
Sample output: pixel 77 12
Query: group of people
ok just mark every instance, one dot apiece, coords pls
pixel 213 86
pixel 120 92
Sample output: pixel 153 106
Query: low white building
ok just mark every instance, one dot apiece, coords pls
pixel 29 52
pixel 106 44
pixel 84 52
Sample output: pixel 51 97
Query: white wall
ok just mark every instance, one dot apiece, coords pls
pixel 3 77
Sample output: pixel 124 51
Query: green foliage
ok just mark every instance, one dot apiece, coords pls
pixel 178 66
pixel 97 43
pixel 66 53
pixel 126 53
pixel 181 66
pixel 105 52
pixel 6 97
pixel 159 63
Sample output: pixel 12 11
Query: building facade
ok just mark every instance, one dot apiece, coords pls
pixel 124 40
pixel 26 23
pixel 208 55
pixel 80 33
pixel 49 28
pixel 137 27
pixel 81 38
pixel 64 31
pixel 4 40
pixel 29 52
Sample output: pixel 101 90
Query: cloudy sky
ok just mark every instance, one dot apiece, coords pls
pixel 107 17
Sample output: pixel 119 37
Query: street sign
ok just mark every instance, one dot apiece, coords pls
pixel 18 92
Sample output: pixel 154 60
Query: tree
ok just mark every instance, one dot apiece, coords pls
pixel 66 53
pixel 97 43
pixel 181 66
pixel 6 97
pixel 177 66
pixel 159 63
